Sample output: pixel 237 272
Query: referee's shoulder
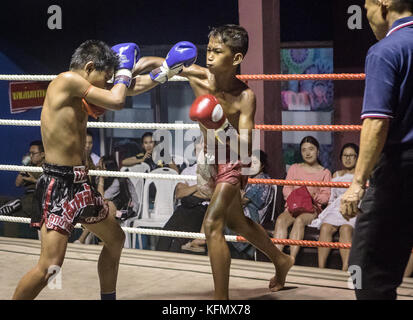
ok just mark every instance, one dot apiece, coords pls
pixel 385 48
pixel 377 49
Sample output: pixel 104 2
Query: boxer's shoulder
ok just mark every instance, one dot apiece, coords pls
pixel 247 94
pixel 69 81
pixel 68 77
pixel 247 99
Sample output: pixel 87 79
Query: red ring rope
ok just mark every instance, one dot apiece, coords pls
pixel 290 77
pixel 306 243
pixel 300 183
pixel 270 127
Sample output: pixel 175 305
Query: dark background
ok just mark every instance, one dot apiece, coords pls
pixel 28 46
pixel 28 41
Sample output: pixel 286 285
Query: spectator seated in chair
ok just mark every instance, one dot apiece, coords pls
pixel 189 215
pixel 113 189
pixel 310 169
pixel 257 200
pixel 330 219
pixel 91 158
pixel 22 207
pixel 147 156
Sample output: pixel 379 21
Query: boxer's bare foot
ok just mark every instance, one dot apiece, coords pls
pixel 281 270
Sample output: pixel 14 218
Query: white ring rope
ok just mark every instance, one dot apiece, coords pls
pixel 144 231
pixel 43 77
pixel 110 125
pixel 104 173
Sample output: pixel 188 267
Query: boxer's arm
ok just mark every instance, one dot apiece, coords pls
pixel 141 84
pixel 246 119
pixel 113 99
pixel 197 77
pixel 194 72
pixel 147 64
pixel 79 87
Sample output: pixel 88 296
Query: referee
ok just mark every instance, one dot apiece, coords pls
pixel 383 235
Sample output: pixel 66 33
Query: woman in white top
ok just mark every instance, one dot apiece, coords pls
pixel 330 219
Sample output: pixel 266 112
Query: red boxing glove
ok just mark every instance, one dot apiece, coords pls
pixel 92 110
pixel 207 110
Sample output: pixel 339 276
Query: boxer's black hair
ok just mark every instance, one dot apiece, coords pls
pixel 103 57
pixel 232 35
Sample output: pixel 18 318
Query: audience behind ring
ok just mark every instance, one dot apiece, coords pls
pixel 311 170
pixel 22 206
pixel 92 158
pixel 189 214
pixel 328 221
pixel 147 155
pixel 116 190
pixel 257 200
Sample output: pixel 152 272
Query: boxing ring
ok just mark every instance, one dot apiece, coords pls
pixel 153 275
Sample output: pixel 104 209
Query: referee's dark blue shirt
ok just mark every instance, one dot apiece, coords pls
pixel 389 82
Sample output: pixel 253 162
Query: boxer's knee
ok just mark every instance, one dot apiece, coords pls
pixel 45 270
pixel 213 227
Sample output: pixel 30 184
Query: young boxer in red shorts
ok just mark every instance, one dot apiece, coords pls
pixel 217 85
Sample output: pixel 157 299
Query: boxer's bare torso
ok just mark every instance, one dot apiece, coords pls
pixel 231 100
pixel 63 125
pixel 236 98
pixel 64 119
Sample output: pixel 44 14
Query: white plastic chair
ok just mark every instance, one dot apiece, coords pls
pixel 137 196
pixel 163 206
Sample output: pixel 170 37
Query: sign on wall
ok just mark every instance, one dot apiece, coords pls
pixel 24 96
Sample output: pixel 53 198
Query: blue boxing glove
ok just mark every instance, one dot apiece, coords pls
pixel 128 54
pixel 182 54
